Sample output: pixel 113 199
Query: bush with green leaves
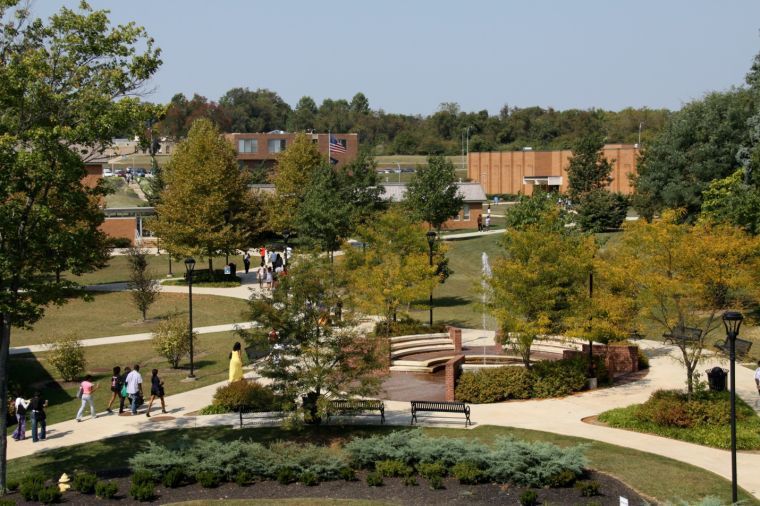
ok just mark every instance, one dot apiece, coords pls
pixel 106 489
pixel 157 460
pixel 243 478
pixel 588 488
pixel 208 479
pixel 529 498
pixel 435 482
pixel 31 485
pixel 247 395
pixel 429 470
pixel 374 479
pixel 393 468
pixel 467 473
pixel 532 464
pixel 12 485
pixel 144 477
pixel 562 479
pixel 143 492
pixel 170 339
pixel 287 475
pixel 410 481
pixel 309 479
pixel 85 483
pixel 173 478
pixel 66 354
pixel 49 495
pixel 347 474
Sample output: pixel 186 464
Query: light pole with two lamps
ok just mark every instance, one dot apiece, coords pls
pixel 431 235
pixel 190 267
pixel 733 321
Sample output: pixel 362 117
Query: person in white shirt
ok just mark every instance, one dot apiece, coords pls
pixel 134 387
pixel 21 406
pixel 757 377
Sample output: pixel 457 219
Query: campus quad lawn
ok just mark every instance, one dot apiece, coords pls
pixel 113 314
pixel 34 371
pixel 117 270
pixel 658 477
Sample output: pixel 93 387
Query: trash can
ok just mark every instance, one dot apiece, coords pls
pixel 232 272
pixel 716 379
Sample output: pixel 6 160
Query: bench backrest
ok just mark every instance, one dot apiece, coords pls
pixel 458 407
pixel 356 404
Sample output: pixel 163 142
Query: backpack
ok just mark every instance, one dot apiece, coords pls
pixel 20 409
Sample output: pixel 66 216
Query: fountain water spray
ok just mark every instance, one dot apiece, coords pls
pixel 486 272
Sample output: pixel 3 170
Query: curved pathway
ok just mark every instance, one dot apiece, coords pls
pixel 561 416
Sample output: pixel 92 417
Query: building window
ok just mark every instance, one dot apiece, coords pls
pixel 276 145
pixel 248 146
pixel 466 212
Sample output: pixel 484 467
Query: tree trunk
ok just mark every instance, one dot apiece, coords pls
pixel 210 266
pixel 5 339
pixel 144 313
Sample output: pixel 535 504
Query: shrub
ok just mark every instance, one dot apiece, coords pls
pixel 435 482
pixel 410 481
pixel 12 485
pixel 213 410
pixel 243 478
pixel 106 489
pixel 85 483
pixel 7 502
pixel 158 460
pixel 170 339
pixel 143 492
pixel 563 377
pixel 562 479
pixel 243 394
pixel 532 464
pixel 309 479
pixel 430 470
pixel 494 385
pixel 407 326
pixel 588 488
pixel 208 479
pixel 31 485
pixel 143 477
pixel 393 468
pixel 173 478
pixel 49 495
pixel 467 473
pixel 643 360
pixel 67 356
pixel 374 479
pixel 120 242
pixel 347 474
pixel 529 498
pixel 287 475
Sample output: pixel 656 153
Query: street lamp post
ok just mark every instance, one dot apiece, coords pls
pixel 732 321
pixel 226 215
pixel 190 267
pixel 431 235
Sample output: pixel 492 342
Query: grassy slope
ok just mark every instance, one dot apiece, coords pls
pixel 112 314
pixel 658 477
pixel 117 270
pixel 211 366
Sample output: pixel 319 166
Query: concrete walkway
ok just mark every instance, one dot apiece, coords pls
pixel 470 235
pixel 561 416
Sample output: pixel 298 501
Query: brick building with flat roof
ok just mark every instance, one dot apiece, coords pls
pixel 513 172
pixel 255 150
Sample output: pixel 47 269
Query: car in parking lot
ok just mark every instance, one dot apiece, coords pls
pixel 107 173
pixel 139 172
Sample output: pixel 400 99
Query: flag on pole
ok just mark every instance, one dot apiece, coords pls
pixel 336 146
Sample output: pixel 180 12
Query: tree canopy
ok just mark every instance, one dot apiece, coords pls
pixel 432 195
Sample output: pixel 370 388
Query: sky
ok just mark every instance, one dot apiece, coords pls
pixel 410 56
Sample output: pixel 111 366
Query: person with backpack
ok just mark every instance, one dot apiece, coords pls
pixel 134 388
pixel 21 406
pixel 247 261
pixel 37 406
pixel 156 392
pixel 116 384
pixel 86 389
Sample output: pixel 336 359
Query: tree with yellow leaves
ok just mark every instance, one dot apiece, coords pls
pixel 683 277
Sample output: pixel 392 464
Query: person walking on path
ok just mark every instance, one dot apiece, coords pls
pixel 134 387
pixel 123 395
pixel 757 377
pixel 261 274
pixel 488 221
pixel 116 383
pixel 156 392
pixel 37 407
pixel 480 223
pixel 263 255
pixel 270 278
pixel 21 406
pixel 247 261
pixel 236 363
pixel 86 388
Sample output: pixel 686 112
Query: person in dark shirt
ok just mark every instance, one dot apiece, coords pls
pixel 37 407
pixel 156 392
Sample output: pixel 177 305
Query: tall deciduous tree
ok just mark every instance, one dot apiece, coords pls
pixel 324 215
pixel 733 201
pixel 145 288
pixel 432 195
pixel 684 276
pixel 304 116
pixel 63 84
pixel 206 208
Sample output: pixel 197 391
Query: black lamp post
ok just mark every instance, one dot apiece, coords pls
pixel 732 320
pixel 285 237
pixel 431 235
pixel 226 215
pixel 190 267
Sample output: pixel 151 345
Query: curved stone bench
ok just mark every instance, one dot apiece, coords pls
pixel 418 337
pixel 417 343
pixel 422 349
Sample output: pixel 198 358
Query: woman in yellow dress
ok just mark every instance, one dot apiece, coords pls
pixel 236 363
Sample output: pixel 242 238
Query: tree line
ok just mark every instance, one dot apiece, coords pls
pixel 443 132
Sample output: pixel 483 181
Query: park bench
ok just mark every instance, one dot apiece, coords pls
pixel 356 407
pixel 440 407
pixel 260 415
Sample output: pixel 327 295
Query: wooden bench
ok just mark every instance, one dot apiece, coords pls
pixel 440 407
pixel 356 407
pixel 258 414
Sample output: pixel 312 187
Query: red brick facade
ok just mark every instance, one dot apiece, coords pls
pixel 453 370
pixel 266 156
pixel 456 338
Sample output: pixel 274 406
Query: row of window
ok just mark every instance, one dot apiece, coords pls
pixel 273 145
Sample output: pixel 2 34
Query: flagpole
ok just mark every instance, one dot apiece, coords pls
pixel 329 148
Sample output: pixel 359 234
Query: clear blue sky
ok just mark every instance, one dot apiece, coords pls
pixel 409 56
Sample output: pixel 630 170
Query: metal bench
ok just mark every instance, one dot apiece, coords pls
pixel 356 407
pixel 258 414
pixel 440 407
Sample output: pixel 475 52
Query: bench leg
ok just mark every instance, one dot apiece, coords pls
pixel 241 418
pixel 414 419
pixel 382 418
pixel 467 421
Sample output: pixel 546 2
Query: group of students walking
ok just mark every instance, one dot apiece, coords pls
pixel 271 267
pixel 36 409
pixel 129 385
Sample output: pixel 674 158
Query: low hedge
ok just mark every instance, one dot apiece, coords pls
pixel 543 380
pixel 702 420
pixel 408 327
pixel 244 394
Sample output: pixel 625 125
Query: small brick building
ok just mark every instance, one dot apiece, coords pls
pixel 472 193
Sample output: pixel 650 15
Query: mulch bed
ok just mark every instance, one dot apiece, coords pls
pixel 392 491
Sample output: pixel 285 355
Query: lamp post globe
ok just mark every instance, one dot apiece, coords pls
pixel 733 321
pixel 190 267
pixel 431 236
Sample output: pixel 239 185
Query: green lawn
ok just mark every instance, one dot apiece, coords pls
pixel 658 477
pixel 296 501
pixel 457 300
pixel 117 270
pixel 113 314
pixel 33 371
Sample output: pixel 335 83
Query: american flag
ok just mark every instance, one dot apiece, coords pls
pixel 336 146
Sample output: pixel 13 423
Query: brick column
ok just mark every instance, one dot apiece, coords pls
pixel 498 346
pixel 455 335
pixel 453 370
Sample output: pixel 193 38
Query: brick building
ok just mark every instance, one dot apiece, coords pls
pixel 513 172
pixel 472 193
pixel 255 150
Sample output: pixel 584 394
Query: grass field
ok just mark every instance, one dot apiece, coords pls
pixel 117 270
pixel 658 477
pixel 123 195
pixel 112 314
pixel 211 365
